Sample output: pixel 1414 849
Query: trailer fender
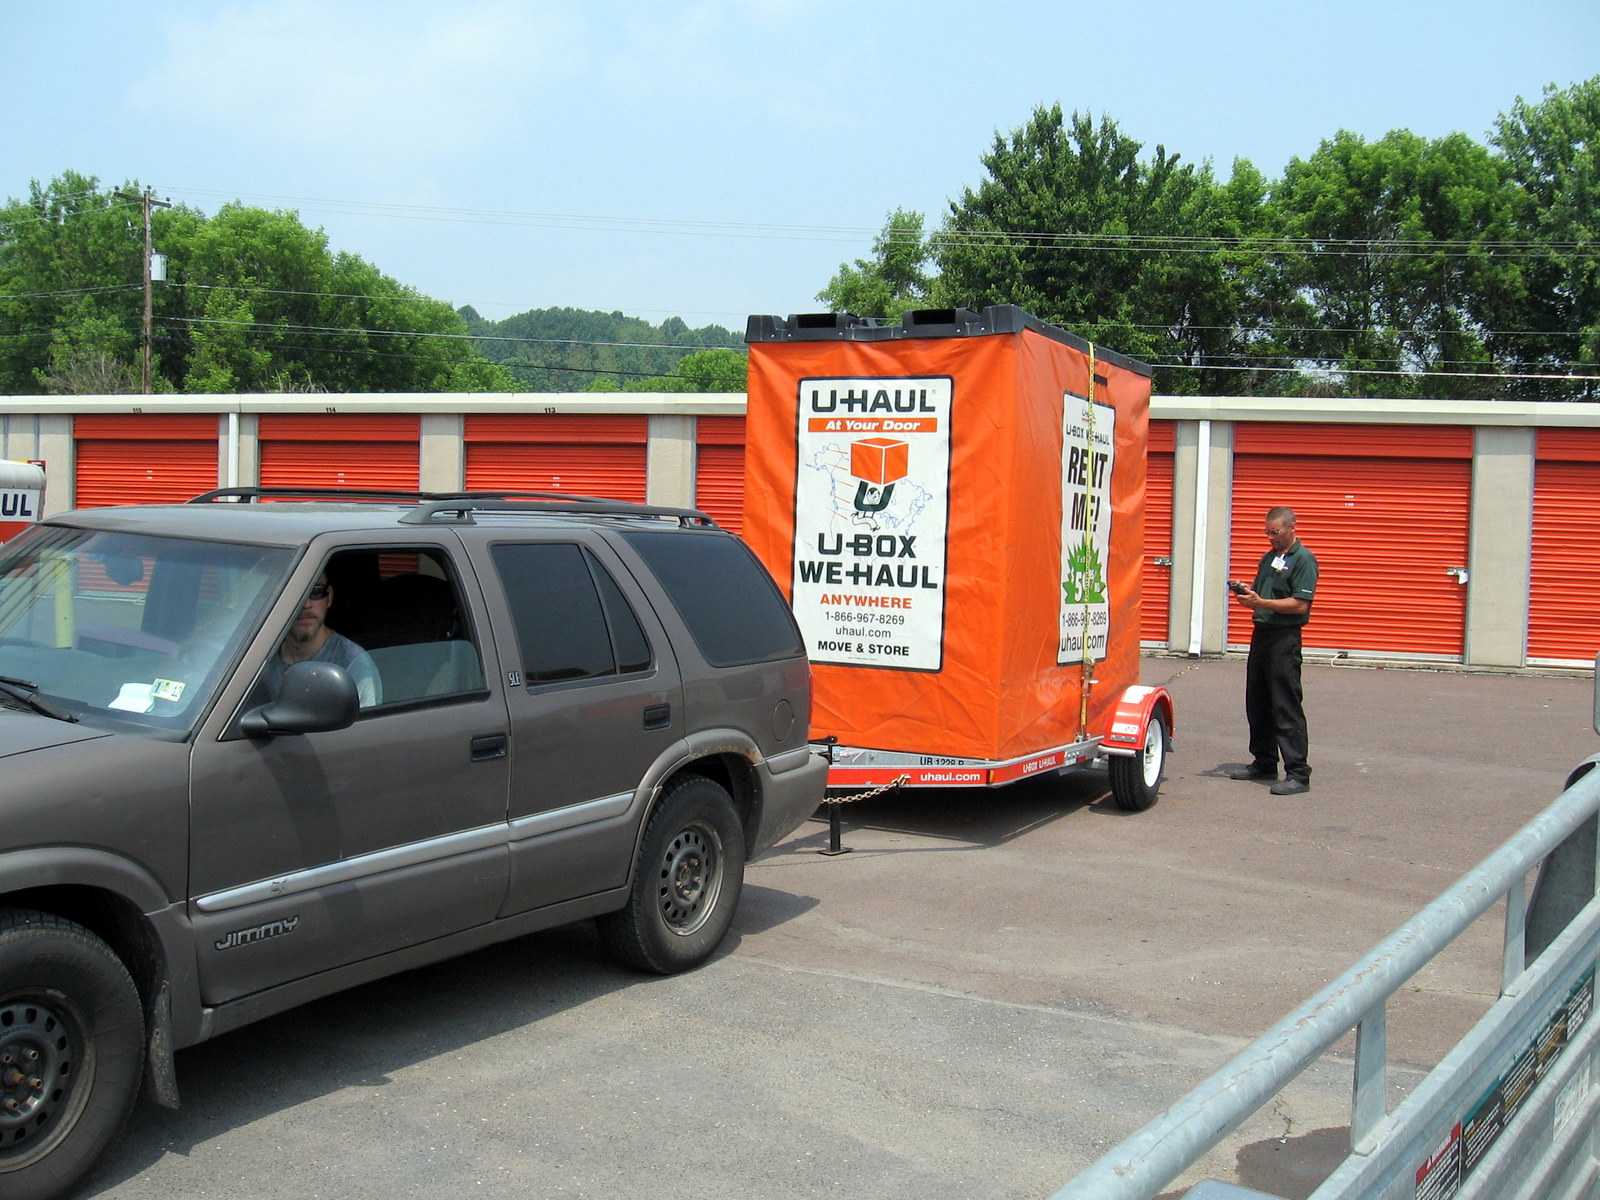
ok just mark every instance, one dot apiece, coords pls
pixel 1131 718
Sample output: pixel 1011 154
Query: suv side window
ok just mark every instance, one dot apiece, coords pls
pixel 572 619
pixel 396 623
pixel 734 611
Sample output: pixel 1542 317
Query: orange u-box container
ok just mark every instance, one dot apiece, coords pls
pixel 954 507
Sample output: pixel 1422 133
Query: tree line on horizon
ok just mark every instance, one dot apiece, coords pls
pixel 1404 266
pixel 255 301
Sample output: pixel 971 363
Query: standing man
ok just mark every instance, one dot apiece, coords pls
pixel 1281 597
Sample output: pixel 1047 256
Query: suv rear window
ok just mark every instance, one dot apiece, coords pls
pixel 734 611
pixel 567 626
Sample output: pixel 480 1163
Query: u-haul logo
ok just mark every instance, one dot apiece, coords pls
pixel 19 504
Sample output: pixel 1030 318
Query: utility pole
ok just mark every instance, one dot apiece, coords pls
pixel 148 201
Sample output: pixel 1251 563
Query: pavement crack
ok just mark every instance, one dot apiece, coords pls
pixel 1279 1110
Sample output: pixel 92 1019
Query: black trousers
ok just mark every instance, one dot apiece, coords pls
pixel 1273 700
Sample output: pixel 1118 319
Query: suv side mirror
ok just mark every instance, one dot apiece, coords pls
pixel 316 697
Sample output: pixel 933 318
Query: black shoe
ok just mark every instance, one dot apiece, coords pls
pixel 1291 786
pixel 1254 774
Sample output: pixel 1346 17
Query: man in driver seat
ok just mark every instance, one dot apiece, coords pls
pixel 310 640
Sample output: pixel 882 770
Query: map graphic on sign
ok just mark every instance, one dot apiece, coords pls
pixel 871 502
pixel 900 509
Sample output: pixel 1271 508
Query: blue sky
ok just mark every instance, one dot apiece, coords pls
pixel 706 159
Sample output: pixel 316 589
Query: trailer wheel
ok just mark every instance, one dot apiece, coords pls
pixel 1136 780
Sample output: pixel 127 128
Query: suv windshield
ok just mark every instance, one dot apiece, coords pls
pixel 127 628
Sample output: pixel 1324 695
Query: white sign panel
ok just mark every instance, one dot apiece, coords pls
pixel 872 491
pixel 1088 448
pixel 19 504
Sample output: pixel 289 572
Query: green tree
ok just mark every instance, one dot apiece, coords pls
pixel 574 350
pixel 893 280
pixel 1551 152
pixel 224 355
pixel 70 274
pixel 1390 242
pixel 255 300
pixel 704 371
pixel 1074 226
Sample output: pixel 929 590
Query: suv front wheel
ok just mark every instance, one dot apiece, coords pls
pixel 71 1052
pixel 686 883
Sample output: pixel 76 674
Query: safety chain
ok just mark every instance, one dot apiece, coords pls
pixel 893 785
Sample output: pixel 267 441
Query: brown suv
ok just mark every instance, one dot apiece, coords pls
pixel 253 753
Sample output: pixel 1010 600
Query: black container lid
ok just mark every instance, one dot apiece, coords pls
pixel 924 323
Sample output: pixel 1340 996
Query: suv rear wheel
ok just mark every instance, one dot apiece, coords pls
pixel 686 883
pixel 71 1052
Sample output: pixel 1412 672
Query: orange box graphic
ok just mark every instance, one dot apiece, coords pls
pixel 880 460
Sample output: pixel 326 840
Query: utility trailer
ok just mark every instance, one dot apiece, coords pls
pixel 954 506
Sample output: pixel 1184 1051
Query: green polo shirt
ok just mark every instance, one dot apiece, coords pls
pixel 1293 573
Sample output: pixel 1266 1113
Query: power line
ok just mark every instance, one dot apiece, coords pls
pixel 57 218
pixel 373 352
pixel 82 291
pixel 1157 325
pixel 1311 370
pixel 1377 329
pixel 342 330
pixel 1305 368
pixel 526 306
pixel 1137 242
pixel 1295 358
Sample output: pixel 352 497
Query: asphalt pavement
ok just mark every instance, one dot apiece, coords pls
pixel 989 991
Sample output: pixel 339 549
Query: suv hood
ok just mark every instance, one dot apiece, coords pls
pixel 24 731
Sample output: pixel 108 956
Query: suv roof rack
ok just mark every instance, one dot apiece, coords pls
pixel 244 495
pixel 463 506
pixel 430 505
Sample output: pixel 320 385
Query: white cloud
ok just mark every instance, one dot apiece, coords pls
pixel 372 78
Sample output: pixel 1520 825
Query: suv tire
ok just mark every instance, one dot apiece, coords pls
pixel 70 1019
pixel 686 882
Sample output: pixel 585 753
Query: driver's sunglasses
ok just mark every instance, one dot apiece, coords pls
pixel 319 591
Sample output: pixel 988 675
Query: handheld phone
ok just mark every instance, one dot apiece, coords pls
pixel 1236 587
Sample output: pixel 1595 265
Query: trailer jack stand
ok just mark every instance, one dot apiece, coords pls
pixel 834 821
pixel 834 832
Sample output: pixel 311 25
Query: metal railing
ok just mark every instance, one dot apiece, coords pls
pixel 1548 1150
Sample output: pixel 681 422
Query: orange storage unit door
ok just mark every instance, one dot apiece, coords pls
pixel 719 470
pixel 1385 509
pixel 156 458
pixel 345 450
pixel 1564 580
pixel 1155 594
pixel 600 455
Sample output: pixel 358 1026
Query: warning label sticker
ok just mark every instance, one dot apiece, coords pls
pixel 1495 1110
pixel 872 484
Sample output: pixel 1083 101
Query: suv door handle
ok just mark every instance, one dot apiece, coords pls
pixel 657 716
pixel 489 747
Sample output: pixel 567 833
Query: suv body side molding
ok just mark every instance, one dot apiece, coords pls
pixel 570 817
pixel 360 867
